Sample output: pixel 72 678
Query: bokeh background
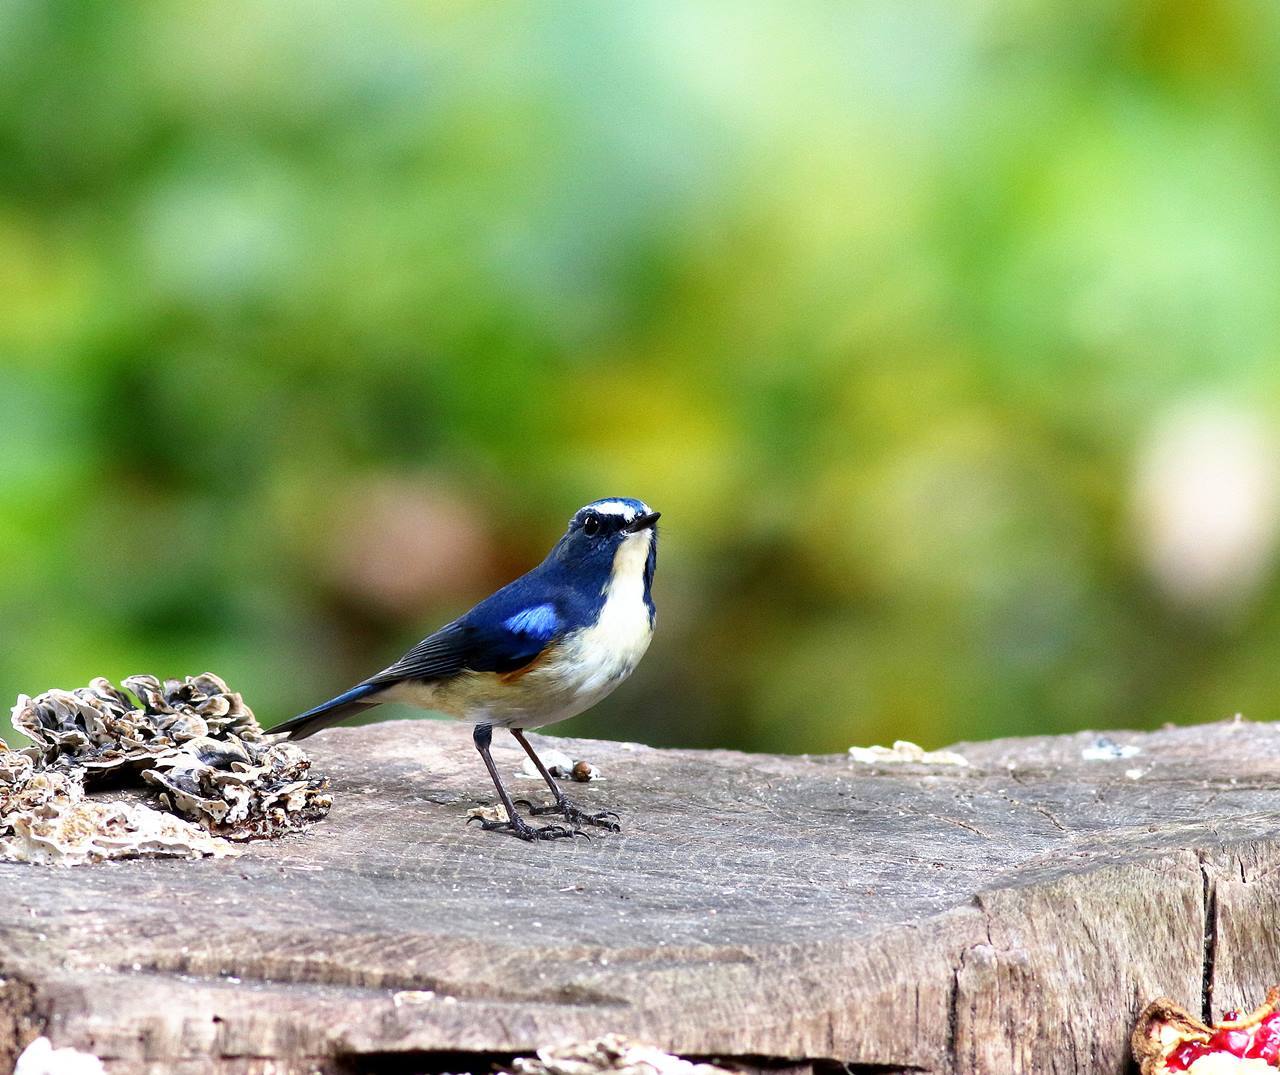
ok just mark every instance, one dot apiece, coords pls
pixel 945 335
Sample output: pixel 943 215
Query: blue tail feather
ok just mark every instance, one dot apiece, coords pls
pixel 330 712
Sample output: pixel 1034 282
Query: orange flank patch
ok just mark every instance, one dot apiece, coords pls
pixel 524 670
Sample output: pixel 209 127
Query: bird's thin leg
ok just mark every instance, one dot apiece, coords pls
pixel 573 814
pixel 483 736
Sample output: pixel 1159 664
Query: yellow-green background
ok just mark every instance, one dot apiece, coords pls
pixel 881 305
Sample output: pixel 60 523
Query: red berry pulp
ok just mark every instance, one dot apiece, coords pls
pixel 1234 1042
pixel 1266 1041
pixel 1185 1055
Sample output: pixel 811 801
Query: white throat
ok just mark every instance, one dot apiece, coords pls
pixel 626 580
pixel 623 631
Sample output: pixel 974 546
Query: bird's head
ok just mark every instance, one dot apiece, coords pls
pixel 616 538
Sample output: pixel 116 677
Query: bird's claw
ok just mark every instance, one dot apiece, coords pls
pixel 517 826
pixel 574 814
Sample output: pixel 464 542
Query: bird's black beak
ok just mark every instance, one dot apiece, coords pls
pixel 642 522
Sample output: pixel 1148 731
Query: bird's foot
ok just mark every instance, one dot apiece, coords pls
pixel 574 814
pixel 517 826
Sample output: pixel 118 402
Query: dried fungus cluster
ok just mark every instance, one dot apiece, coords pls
pixel 193 743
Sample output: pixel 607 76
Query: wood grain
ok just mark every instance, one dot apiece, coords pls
pixel 1010 916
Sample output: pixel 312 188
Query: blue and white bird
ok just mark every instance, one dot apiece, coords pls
pixel 541 649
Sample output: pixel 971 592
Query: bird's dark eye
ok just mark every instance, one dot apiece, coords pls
pixel 591 525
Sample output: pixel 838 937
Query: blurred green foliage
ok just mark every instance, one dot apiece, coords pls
pixel 880 303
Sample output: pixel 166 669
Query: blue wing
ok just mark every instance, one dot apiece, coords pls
pixel 502 637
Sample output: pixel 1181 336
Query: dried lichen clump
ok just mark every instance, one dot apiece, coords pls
pixel 45 818
pixel 1168 1038
pixel 102 728
pixel 904 752
pixel 194 740
pixel 241 788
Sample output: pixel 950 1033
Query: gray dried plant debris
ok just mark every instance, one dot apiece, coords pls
pixel 193 740
pixel 46 818
pixel 904 752
pixel 240 788
pixel 612 1054
pixel 103 729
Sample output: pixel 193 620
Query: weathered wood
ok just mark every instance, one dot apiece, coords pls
pixel 1010 916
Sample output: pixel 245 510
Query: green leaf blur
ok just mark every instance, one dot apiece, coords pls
pixel 944 335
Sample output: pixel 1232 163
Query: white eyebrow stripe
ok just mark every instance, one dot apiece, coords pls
pixel 615 507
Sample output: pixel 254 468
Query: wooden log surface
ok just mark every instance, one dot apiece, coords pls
pixel 1012 915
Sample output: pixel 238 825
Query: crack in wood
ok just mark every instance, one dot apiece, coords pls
pixel 332 975
pixel 953 1019
pixel 1210 937
pixel 1036 808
